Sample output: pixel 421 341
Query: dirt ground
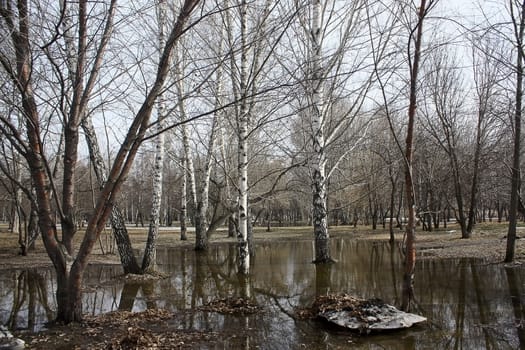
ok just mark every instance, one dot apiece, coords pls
pixel 487 242
pixel 147 330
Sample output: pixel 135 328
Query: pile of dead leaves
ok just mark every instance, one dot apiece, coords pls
pixel 148 277
pixel 121 318
pixel 361 309
pixel 232 306
pixel 138 338
pixel 135 338
pixel 120 330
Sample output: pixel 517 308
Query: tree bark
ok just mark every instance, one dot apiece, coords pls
pixel 184 201
pixel 69 275
pixel 242 135
pixel 392 238
pixel 319 210
pixel 410 230
pixel 118 223
pixel 190 169
pixel 516 173
pixel 150 252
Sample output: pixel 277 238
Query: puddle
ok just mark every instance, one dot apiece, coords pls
pixel 469 304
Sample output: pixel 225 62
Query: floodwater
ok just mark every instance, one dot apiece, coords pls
pixel 469 304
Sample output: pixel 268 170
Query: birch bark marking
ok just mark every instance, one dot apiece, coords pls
pixel 118 225
pixel 188 161
pixel 242 234
pixel 150 252
pixel 184 201
pixel 322 238
pixel 201 225
pixel 410 251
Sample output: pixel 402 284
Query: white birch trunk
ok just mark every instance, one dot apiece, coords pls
pixel 184 201
pixel 201 222
pixel 16 227
pixel 319 213
pixel 189 169
pixel 17 200
pixel 242 235
pixel 230 197
pixel 150 252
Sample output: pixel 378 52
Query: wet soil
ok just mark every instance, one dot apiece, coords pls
pixel 120 330
pixel 153 329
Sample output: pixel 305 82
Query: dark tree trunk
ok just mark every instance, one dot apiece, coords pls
pixel 232 226
pixel 410 243
pixel 516 174
pixel 392 198
pixel 201 238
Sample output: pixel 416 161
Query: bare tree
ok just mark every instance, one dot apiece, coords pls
pixel 150 251
pixel 518 23
pixel 415 39
pixel 20 68
pixel 447 96
pixel 331 98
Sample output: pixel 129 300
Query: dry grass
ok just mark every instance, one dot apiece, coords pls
pixel 488 241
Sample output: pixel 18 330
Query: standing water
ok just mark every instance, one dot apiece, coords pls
pixel 468 303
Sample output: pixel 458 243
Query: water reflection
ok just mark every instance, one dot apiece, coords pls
pixel 469 304
pixel 25 299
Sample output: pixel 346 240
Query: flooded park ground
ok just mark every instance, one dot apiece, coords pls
pixel 470 298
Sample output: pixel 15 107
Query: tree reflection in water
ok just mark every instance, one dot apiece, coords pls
pixel 516 294
pixel 29 303
pixel 467 302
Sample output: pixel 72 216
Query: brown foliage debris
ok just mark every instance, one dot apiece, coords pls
pixel 238 306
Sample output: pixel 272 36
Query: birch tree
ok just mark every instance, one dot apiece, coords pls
pixel 118 224
pixel 149 258
pixel 202 186
pixel 254 30
pixel 332 96
pixel 188 167
pixel 184 200
pixel 242 167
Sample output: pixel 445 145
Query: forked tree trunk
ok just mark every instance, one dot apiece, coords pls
pixel 189 169
pixel 69 275
pixel 118 223
pixel 201 219
pixel 127 258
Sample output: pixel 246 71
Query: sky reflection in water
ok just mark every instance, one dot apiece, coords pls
pixel 469 304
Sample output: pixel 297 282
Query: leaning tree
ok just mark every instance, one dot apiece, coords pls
pixel 27 55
